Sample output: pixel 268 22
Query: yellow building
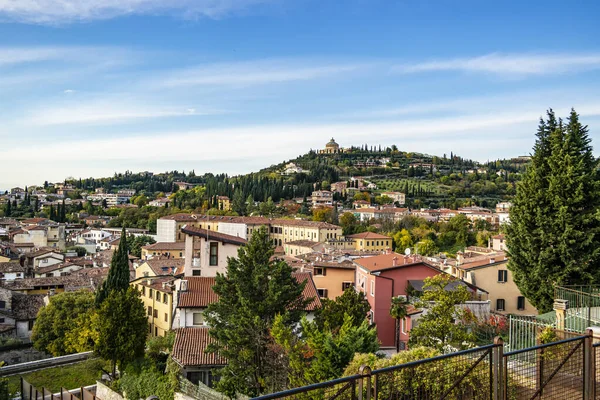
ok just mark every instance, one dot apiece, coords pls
pixel 490 273
pixel 157 296
pixel 224 203
pixel 332 278
pixel 164 249
pixel 283 231
pixel 299 247
pixel 370 241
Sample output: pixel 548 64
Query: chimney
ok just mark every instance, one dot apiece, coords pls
pixel 395 261
pixel 183 286
pixel 389 251
pixel 492 260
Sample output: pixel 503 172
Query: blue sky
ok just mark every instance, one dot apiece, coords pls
pixel 90 87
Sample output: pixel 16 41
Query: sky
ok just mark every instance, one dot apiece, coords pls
pixel 93 87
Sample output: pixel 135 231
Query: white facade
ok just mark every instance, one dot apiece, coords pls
pixel 397 197
pixel 166 230
pixel 234 229
pixel 204 261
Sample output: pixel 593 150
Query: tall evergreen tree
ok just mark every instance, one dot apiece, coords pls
pixel 238 203
pixel 118 274
pixel 8 209
pixel 554 233
pixel 255 290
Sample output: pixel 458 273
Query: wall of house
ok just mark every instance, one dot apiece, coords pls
pixel 11 276
pixel 333 281
pixel 225 250
pixel 383 294
pixel 70 268
pixel 233 229
pixel 187 317
pixel 38 238
pixel 176 254
pixel 23 331
pixel 158 325
pixel 165 230
pixel 295 250
pixel 487 279
pixel 373 244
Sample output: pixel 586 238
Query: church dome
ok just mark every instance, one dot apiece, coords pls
pixel 332 143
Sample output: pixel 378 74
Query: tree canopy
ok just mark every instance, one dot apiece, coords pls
pixel 118 274
pixel 554 233
pixel 332 313
pixel 255 290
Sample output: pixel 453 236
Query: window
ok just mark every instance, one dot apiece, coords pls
pixel 1 320
pixel 166 317
pixel 500 305
pixel 180 254
pixel 367 242
pixel 149 310
pixel 403 325
pixel 150 293
pixel 155 331
pixel 520 303
pixel 346 285
pixel 146 274
pixel 2 304
pixel 198 318
pixel 322 293
pixel 155 313
pixel 30 326
pixel 214 254
pixel 502 275
pixel 372 288
pixel 165 299
pixel 195 272
pixel 320 271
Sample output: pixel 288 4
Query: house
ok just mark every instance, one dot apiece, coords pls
pixel 291 169
pixel 183 185
pixel 490 272
pixel 85 279
pixel 397 197
pixel 390 275
pixel 206 252
pixel 189 353
pixel 242 227
pixel 224 203
pixel 162 202
pixel 168 228
pixel 502 212
pixel 339 187
pixel 370 241
pixel 43 258
pixel 332 277
pixel 499 243
pixel 11 270
pixel 322 198
pixel 60 269
pixel 163 249
pixel 18 313
pixel 361 204
pixel 94 220
pixel 159 266
pixel 157 296
pixel 287 230
pixel 385 276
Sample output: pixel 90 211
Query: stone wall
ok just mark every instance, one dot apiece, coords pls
pixel 103 392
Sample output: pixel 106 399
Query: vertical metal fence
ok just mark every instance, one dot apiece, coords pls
pixel 563 370
pixel 30 392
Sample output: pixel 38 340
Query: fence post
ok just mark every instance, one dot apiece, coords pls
pixel 589 375
pixel 498 369
pixel 365 371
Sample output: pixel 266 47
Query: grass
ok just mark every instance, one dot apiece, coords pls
pixel 68 376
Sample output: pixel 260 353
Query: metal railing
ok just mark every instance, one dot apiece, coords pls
pixel 30 392
pixel 563 370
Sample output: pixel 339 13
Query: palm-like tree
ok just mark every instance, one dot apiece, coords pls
pixel 398 311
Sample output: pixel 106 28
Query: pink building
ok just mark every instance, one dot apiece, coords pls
pixel 383 277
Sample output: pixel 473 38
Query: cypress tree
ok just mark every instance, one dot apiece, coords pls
pixel 118 274
pixel 554 233
pixel 8 209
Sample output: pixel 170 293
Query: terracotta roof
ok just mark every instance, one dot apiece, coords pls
pixel 165 266
pixel 35 228
pixel 181 217
pixel 12 266
pixel 26 307
pixel 302 243
pixel 368 235
pixel 386 261
pixel 55 267
pixel 477 262
pixel 333 264
pixel 310 290
pixel 199 293
pixel 23 245
pixel 41 252
pixel 156 283
pixel 498 237
pixel 34 220
pixel 165 246
pixel 212 235
pixel 189 346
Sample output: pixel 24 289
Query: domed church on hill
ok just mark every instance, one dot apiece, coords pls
pixel 331 148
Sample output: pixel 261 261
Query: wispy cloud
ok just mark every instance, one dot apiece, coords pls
pixel 248 73
pixel 509 64
pixel 68 11
pixel 108 112
pixel 10 56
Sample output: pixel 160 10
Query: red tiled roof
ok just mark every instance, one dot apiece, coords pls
pixel 212 235
pixel 302 243
pixel 199 293
pixel 165 266
pixel 386 261
pixel 189 346
pixel 310 290
pixel 301 222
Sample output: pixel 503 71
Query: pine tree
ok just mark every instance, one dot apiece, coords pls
pixel 52 216
pixel 8 209
pixel 554 233
pixel 255 290
pixel 118 274
pixel 238 203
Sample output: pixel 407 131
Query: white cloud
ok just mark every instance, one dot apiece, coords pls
pixel 509 64
pixel 63 54
pixel 107 112
pixel 67 11
pixel 253 73
pixel 68 91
